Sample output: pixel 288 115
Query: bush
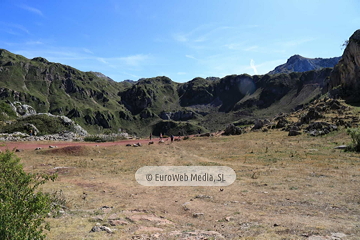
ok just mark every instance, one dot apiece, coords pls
pixel 94 138
pixel 355 136
pixel 22 208
pixel 104 138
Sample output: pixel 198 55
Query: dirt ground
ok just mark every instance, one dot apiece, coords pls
pixel 286 188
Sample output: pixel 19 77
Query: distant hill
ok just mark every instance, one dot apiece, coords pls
pixel 298 63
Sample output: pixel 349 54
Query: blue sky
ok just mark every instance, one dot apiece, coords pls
pixel 180 39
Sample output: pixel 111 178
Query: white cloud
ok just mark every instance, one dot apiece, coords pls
pixel 31 9
pixel 190 56
pixel 12 26
pixel 34 43
pixel 102 60
pixel 251 48
pixel 297 42
pixel 87 51
pixel 180 37
pixel 252 65
pixel 134 60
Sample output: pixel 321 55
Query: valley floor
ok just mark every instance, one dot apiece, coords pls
pixel 286 188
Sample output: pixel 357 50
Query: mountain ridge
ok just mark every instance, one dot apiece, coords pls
pixel 156 104
pixel 298 63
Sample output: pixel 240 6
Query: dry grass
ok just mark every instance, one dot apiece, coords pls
pixel 286 188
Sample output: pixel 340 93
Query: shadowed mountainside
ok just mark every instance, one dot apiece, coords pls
pixel 344 81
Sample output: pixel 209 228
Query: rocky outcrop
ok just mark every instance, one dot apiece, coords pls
pixel 177 116
pixel 22 109
pixel 320 128
pixel 23 137
pixel 344 80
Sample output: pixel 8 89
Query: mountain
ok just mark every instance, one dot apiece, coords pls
pixel 298 63
pixel 152 104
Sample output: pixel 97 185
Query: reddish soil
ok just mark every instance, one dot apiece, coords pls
pixel 33 145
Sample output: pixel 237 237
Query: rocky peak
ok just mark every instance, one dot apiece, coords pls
pixel 299 63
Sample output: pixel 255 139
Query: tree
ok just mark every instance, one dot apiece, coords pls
pixel 22 208
pixel 344 45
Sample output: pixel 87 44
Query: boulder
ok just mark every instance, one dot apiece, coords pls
pixel 311 115
pixel 294 133
pixel 231 129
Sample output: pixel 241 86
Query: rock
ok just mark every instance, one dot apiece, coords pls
pixel 197 215
pixel 19 150
pixel 231 129
pixel 99 228
pixel 177 116
pixel 282 122
pixel 320 128
pixel 52 146
pixel 151 142
pixel 128 145
pixel 311 115
pixel 117 222
pixel 337 236
pixel 294 133
pixel 203 196
pixel 258 124
pixel 341 147
pixel 38 148
pixel 185 206
pixel 22 109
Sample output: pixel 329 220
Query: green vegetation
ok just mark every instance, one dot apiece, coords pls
pixel 104 138
pixel 22 208
pixel 6 112
pixel 355 137
pixel 46 125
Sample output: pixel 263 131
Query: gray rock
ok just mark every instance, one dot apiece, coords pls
pixel 197 215
pixel 98 228
pixel 231 129
pixel 294 133
pixel 341 147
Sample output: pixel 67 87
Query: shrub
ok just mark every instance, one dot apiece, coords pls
pixel 104 138
pixel 22 208
pixel 94 138
pixel 355 136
